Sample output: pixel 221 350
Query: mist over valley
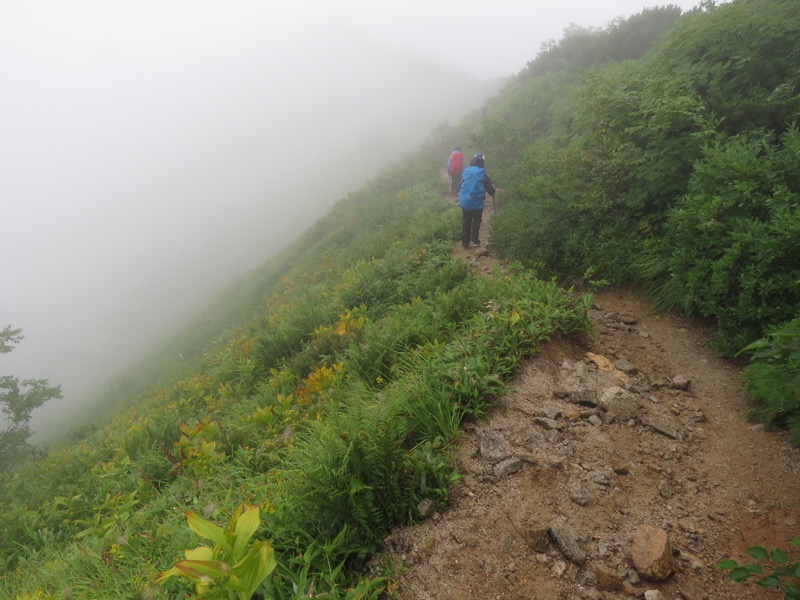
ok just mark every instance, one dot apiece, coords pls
pixel 158 186
pixel 152 153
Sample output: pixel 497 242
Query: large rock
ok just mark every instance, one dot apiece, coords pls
pixel 651 553
pixel 620 404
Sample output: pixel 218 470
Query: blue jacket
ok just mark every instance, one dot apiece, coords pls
pixel 474 185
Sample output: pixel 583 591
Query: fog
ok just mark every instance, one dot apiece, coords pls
pixel 153 151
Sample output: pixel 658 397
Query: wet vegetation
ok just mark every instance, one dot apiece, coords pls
pixel 314 403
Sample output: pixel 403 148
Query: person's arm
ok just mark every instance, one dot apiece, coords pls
pixel 487 185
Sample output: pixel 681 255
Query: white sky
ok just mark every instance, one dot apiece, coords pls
pixel 142 142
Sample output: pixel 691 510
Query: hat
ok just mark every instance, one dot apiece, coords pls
pixel 478 159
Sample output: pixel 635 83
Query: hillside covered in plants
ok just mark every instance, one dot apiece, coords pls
pixel 317 407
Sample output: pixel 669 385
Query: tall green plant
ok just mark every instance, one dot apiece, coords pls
pixel 730 249
pixel 233 568
pixel 773 377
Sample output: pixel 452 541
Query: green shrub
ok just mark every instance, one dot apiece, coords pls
pixel 730 248
pixel 773 378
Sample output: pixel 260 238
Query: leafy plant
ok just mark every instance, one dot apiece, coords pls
pixel 321 571
pixel 780 573
pixel 773 377
pixel 230 569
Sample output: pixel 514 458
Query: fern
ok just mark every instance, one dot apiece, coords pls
pixel 773 377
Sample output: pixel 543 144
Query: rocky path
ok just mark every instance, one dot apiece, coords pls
pixel 626 467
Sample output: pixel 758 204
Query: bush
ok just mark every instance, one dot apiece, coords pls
pixel 730 249
pixel 773 377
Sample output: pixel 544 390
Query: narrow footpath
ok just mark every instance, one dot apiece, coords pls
pixel 608 465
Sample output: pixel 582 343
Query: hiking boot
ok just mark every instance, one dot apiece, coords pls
pixel 465 245
pixel 477 244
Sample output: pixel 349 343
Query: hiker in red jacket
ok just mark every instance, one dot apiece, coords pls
pixel 455 164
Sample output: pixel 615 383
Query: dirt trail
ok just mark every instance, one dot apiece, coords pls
pixel 548 456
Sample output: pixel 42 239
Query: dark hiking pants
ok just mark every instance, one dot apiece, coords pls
pixel 455 183
pixel 470 226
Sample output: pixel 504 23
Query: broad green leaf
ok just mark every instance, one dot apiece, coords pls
pixel 199 553
pixel 726 564
pixel 207 530
pixel 753 568
pixel 796 541
pixel 769 581
pixel 245 527
pixel 739 574
pixel 208 568
pixel 255 567
pixel 757 552
pixel 792 591
pixel 779 556
pixel 784 571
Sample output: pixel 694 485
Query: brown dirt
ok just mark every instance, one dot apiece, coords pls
pixel 722 485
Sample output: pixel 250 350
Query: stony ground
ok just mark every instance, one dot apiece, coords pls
pixel 643 427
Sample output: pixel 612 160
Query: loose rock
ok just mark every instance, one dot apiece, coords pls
pixel 567 541
pixel 586 397
pixel 620 404
pixel 426 507
pixel 665 429
pixel 537 539
pixel 579 494
pixel 558 568
pixel 608 580
pixel 507 466
pixel 550 412
pixel 625 366
pixel 493 446
pixel 651 553
pixel 665 489
pixel 548 423
pixel 680 382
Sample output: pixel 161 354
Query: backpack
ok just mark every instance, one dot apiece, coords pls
pixel 456 163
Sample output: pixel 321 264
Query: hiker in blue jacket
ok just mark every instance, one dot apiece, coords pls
pixel 475 183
